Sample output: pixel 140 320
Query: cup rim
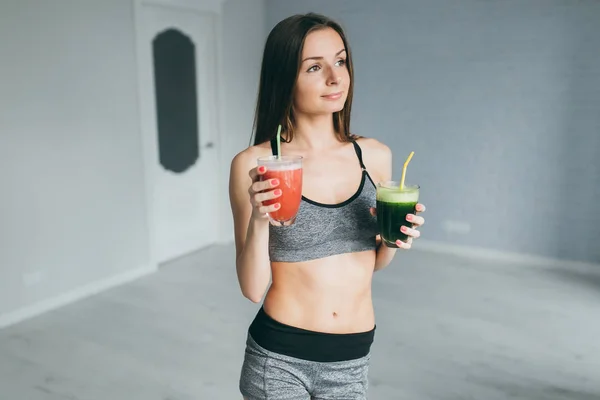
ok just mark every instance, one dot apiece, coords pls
pixel 279 159
pixel 395 185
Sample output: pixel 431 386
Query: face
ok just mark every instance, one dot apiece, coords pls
pixel 323 79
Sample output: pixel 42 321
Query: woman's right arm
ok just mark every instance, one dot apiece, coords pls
pixel 251 225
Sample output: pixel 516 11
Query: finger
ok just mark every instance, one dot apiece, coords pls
pixel 268 209
pixel 271 194
pixel 410 232
pixel 256 172
pixel 420 208
pixel 403 245
pixel 416 220
pixel 373 211
pixel 264 185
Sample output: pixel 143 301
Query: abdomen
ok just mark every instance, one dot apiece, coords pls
pixel 331 294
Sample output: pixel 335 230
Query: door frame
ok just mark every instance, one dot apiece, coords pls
pixel 214 8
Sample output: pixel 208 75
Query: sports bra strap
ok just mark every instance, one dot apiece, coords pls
pixel 359 155
pixel 274 146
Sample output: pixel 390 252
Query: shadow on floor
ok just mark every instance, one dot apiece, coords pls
pixel 590 280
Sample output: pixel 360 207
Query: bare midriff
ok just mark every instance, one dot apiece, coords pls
pixel 331 295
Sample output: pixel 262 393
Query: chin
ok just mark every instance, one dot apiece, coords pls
pixel 338 108
pixel 324 109
pixel 334 107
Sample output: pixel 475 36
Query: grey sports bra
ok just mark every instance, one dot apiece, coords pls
pixel 323 230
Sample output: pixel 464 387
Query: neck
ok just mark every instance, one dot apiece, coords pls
pixel 315 132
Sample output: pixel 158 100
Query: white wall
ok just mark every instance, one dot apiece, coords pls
pixel 244 33
pixel 72 205
pixel 72 208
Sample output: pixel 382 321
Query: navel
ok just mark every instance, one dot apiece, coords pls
pixel 334 314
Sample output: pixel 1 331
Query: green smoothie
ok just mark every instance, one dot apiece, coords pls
pixel 393 205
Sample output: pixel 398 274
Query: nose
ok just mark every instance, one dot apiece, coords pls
pixel 333 78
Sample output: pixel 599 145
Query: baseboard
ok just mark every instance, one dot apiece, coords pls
pixel 501 256
pixel 20 315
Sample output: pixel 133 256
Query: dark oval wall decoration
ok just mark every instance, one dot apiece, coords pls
pixel 176 100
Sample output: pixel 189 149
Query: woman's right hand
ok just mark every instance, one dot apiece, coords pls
pixel 260 192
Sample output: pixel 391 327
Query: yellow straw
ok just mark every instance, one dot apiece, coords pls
pixel 404 169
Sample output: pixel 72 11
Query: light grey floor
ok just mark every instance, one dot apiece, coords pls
pixel 448 328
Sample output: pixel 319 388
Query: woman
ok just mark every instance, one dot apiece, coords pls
pixel 312 336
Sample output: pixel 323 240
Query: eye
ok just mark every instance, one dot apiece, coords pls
pixel 341 62
pixel 314 68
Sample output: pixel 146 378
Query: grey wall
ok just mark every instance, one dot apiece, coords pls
pixel 500 102
pixel 72 206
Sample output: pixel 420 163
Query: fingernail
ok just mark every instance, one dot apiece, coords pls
pixel 403 229
pixel 261 169
pixel 409 217
pixel 274 182
pixel 277 205
pixel 277 192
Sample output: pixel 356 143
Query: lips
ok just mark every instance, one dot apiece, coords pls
pixel 333 96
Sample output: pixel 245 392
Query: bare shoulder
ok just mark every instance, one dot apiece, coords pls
pixel 373 147
pixel 245 160
pixel 377 157
pixel 239 172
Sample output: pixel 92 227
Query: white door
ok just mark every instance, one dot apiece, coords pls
pixel 177 63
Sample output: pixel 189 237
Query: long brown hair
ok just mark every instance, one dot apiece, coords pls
pixel 280 67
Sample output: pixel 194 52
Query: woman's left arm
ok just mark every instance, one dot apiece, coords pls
pixel 378 159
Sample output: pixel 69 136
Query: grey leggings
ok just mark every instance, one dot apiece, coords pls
pixel 267 375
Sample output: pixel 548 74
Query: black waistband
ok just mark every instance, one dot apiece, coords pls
pixel 309 345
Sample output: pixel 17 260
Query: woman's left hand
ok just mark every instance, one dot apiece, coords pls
pixel 412 233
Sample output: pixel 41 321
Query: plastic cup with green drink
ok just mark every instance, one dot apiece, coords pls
pixel 393 205
pixel 395 201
